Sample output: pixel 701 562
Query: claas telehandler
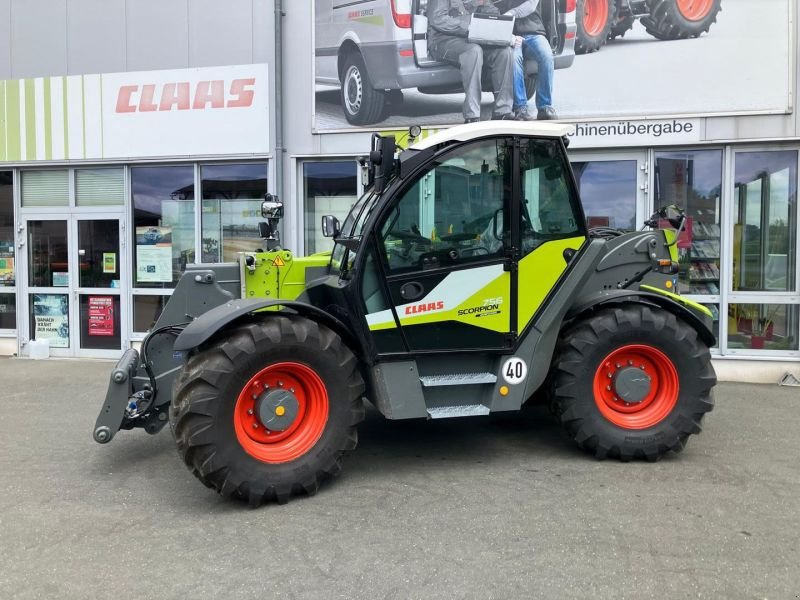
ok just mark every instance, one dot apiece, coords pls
pixel 464 282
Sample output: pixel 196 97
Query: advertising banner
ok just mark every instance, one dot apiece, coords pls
pixel 51 316
pixel 154 254
pixel 383 64
pixel 176 112
pixel 101 316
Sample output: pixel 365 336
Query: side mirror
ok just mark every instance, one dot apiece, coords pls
pixel 271 207
pixel 330 226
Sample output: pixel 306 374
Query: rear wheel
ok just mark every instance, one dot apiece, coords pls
pixel 594 19
pixel 680 19
pixel 621 23
pixel 362 104
pixel 267 410
pixel 632 382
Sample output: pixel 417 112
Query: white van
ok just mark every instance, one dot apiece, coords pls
pixel 373 49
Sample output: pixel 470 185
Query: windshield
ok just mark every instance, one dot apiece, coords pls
pixel 352 227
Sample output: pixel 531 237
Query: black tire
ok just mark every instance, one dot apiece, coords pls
pixel 362 104
pixel 587 41
pixel 204 404
pixel 580 360
pixel 666 21
pixel 621 23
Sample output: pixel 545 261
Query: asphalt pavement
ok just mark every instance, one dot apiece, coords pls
pixel 489 507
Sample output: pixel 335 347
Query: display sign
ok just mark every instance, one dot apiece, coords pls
pixel 51 316
pixel 740 60
pixel 101 316
pixel 6 270
pixel 60 279
pixel 154 254
pixel 646 132
pixel 177 112
pixel 109 262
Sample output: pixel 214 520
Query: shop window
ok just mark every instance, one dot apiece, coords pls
pixel 763 326
pixel 692 180
pixel 146 311
pixel 608 191
pixel 8 313
pixel 99 187
pixel 765 222
pixel 329 188
pixel 231 209
pixel 45 189
pixel 164 224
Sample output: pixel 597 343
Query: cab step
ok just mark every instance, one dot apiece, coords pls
pixel 457 379
pixel 468 410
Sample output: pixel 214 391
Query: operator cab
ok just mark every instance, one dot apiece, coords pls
pixel 441 243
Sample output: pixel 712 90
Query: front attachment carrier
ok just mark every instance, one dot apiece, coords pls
pixel 120 391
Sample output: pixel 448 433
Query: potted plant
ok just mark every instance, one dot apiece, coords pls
pixel 763 328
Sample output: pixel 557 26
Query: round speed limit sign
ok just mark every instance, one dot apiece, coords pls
pixel 514 371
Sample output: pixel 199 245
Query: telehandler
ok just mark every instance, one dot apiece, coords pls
pixel 463 282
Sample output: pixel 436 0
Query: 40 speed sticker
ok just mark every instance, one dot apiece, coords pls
pixel 514 371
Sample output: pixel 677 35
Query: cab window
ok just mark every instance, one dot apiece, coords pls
pixel 453 213
pixel 549 209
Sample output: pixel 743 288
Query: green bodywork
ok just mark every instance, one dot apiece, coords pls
pixel 278 274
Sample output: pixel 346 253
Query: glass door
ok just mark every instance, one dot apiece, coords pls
pixel 613 187
pixel 47 289
pixel 73 284
pixel 97 294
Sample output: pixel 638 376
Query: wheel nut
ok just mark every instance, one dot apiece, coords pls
pixel 291 390
pixel 608 388
pixel 610 375
pixel 250 411
pixel 255 425
pixel 280 384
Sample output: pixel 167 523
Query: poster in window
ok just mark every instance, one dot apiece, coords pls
pixel 101 316
pixel 109 262
pixel 154 254
pixel 51 316
pixel 6 270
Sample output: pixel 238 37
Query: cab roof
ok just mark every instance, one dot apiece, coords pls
pixel 470 131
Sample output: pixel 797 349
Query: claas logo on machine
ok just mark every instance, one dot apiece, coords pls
pixel 425 307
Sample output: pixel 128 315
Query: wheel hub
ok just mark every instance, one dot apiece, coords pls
pixel 636 386
pixel 632 384
pixel 353 92
pixel 277 409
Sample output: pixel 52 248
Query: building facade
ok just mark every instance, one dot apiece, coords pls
pixel 138 137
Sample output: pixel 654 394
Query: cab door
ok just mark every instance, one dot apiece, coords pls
pixel 445 251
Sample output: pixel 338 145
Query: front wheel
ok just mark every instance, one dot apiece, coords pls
pixel 362 104
pixel 632 382
pixel 680 19
pixel 267 410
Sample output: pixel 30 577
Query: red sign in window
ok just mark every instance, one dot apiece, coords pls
pixel 101 315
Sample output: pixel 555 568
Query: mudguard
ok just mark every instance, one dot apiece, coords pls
pixel 206 325
pixel 699 320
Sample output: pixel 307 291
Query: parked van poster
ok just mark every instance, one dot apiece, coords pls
pixel 394 63
pixel 50 313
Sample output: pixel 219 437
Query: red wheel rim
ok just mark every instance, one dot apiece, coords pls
pixel 658 401
pixel 304 431
pixel 595 16
pixel 695 10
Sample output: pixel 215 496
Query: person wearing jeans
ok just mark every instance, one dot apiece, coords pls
pixel 448 36
pixel 531 44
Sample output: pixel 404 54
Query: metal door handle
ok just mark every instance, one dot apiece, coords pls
pixel 411 290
